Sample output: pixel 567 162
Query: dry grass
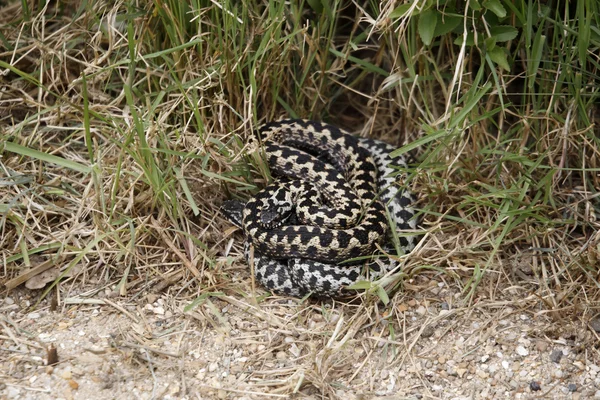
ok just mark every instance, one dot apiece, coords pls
pixel 124 128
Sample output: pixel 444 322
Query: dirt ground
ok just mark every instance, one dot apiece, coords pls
pixel 424 344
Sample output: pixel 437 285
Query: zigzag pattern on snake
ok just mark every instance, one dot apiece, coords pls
pixel 326 206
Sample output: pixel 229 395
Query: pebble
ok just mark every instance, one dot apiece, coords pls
pixel 556 355
pixel 535 386
pixel 523 373
pixel 522 351
pixel 595 323
pixel 541 345
pixel 572 387
pixel 421 310
pixel 428 331
pixel 12 392
pixel 558 374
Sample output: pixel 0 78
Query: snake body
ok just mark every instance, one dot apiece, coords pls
pixel 326 207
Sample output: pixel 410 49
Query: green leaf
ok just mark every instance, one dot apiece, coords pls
pixel 470 40
pixel 427 24
pixel 496 7
pixel 361 285
pixel 419 142
pixel 383 296
pixel 490 43
pixel 28 152
pixel 584 18
pixel 498 56
pixel 316 5
pixel 536 56
pixel 365 64
pixel 504 33
pixel 474 5
pixel 446 24
pixel 399 12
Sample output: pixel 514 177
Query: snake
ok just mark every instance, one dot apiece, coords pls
pixel 333 199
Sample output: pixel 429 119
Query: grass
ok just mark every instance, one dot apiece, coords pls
pixel 124 126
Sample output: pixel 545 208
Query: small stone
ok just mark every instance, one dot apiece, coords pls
pixel 442 360
pixel 597 394
pixel 159 310
pixel 556 355
pixel 523 373
pixel 572 387
pixel 9 301
pixel 428 331
pixel 33 315
pixel 445 306
pixel 534 386
pixel 212 367
pixel 421 310
pixel 66 374
pixel 482 374
pixel 595 323
pixel 281 356
pixel 558 374
pixel 12 392
pixel 541 346
pixel 522 351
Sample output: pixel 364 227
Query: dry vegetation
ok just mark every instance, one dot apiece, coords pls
pixel 125 125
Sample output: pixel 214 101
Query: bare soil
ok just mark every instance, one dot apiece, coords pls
pixel 423 345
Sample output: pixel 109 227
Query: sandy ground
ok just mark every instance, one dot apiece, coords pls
pixel 420 346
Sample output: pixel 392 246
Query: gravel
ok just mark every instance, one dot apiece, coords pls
pixel 236 350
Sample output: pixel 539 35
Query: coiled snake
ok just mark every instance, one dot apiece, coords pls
pixel 326 207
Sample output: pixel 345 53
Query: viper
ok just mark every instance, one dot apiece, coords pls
pixel 327 205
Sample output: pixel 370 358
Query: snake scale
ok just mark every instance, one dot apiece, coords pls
pixel 327 205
